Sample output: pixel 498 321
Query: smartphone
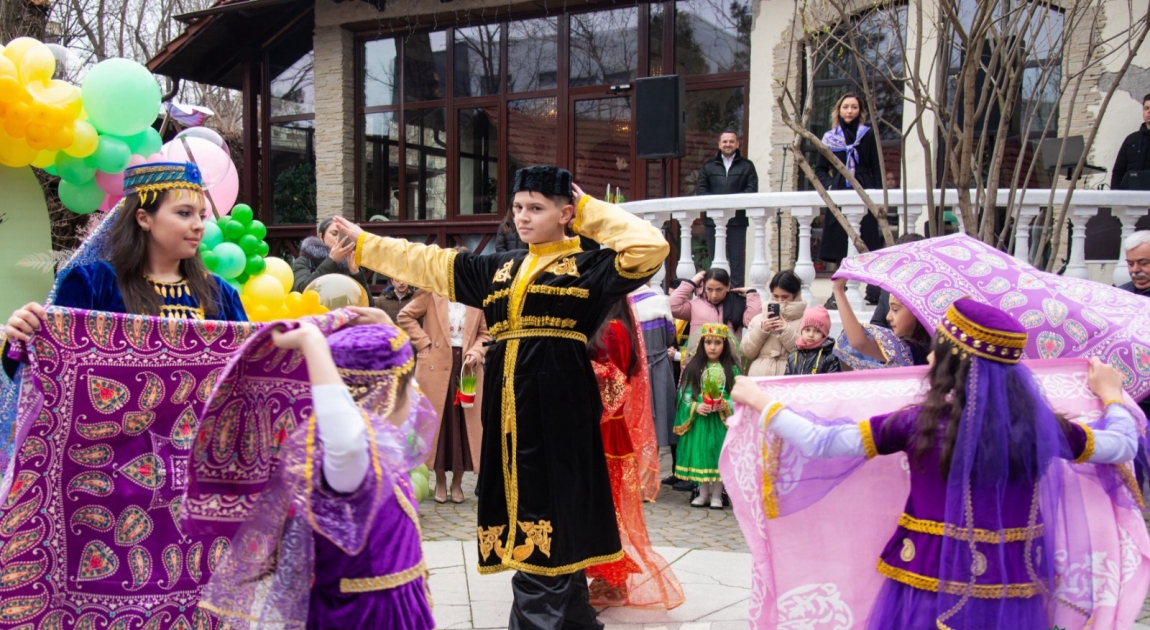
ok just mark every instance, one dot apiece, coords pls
pixel 773 308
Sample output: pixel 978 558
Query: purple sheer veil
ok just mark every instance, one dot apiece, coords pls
pixel 1008 473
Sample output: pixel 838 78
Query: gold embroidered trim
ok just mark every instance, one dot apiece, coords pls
pixel 169 289
pixel 383 582
pixel 962 346
pixel 682 473
pixel 451 254
pixel 513 565
pixel 359 248
pixel 538 536
pixel 1132 484
pixel 686 426
pixel 770 473
pixel 508 451
pixel 528 321
pixel 399 370
pixel 935 528
pixel 1113 401
pixel 559 291
pixel 577 224
pixel 634 275
pixel 182 312
pixel 983 334
pixel 867 434
pixel 498 295
pixel 556 248
pixel 772 411
pixel 489 541
pixel 524 333
pixel 1088 450
pixel 981 591
pixel 565 267
pixel 503 274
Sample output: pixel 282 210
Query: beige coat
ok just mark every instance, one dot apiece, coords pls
pixel 767 353
pixel 432 344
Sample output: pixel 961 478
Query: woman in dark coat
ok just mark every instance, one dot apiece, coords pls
pixel 856 144
pixel 324 254
pixel 507 237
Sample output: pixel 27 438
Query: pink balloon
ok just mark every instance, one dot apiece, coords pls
pixel 111 183
pixel 110 202
pixel 137 160
pixel 158 157
pixel 214 163
pixel 225 193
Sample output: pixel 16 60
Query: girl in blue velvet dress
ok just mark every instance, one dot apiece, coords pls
pixel 143 259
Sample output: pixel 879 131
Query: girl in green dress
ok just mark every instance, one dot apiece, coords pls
pixel 703 407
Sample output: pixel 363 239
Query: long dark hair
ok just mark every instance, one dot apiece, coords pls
pixel 597 347
pixel 734 305
pixel 944 404
pixel 129 256
pixel 693 373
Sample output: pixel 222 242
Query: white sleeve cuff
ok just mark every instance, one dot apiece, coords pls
pixel 1118 442
pixel 342 431
pixel 814 440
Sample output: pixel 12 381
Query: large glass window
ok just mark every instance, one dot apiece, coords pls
pixel 379 167
pixel 709 114
pixel 291 143
pixel 425 66
pixel 532 134
pixel 425 132
pixel 477 60
pixel 712 36
pixel 604 47
pixel 380 71
pixel 478 160
pixel 532 54
pixel 603 145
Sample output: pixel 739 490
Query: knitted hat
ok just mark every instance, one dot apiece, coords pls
pixel 817 317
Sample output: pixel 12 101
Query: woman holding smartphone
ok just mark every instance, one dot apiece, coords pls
pixel 771 336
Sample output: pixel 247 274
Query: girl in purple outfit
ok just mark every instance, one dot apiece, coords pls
pixel 334 539
pixel 991 510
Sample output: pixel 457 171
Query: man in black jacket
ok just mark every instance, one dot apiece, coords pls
pixel 1134 154
pixel 729 173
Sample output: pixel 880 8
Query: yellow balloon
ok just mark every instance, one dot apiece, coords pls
pixel 11 91
pixel 17 48
pixel 84 140
pixel 265 290
pixel 14 152
pixel 62 137
pixel 44 159
pixel 309 300
pixel 259 314
pixel 337 291
pixel 38 64
pixel 7 67
pixel 280 270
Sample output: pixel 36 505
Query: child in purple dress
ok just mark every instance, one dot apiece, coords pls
pixel 991 510
pixel 334 539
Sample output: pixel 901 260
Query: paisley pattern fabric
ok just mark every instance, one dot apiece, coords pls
pixel 90 505
pixel 1066 317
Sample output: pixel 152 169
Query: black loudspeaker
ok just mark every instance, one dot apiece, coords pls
pixel 660 119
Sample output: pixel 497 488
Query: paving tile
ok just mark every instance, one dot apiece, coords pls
pixel 439 554
pixel 452 616
pixel 449 586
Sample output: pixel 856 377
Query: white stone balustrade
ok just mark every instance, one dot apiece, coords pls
pixel 1127 206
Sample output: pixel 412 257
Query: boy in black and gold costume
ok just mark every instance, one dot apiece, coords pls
pixel 545 507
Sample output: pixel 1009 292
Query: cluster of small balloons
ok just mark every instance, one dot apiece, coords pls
pixel 268 297
pixel 87 135
pixel 233 246
pixel 420 482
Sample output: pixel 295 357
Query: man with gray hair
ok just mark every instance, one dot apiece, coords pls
pixel 1137 247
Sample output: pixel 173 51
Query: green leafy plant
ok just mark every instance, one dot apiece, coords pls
pixel 467 383
pixel 293 195
pixel 714 381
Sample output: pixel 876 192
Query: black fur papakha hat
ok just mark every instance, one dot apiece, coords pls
pixel 547 180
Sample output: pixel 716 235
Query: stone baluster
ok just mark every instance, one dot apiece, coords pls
pixel 657 279
pixel 804 267
pixel 1076 263
pixel 686 266
pixel 1026 214
pixel 854 215
pixel 761 263
pixel 1121 273
pixel 720 259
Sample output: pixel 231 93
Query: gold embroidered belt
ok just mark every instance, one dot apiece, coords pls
pixel 541 332
pixel 383 582
pixel 935 528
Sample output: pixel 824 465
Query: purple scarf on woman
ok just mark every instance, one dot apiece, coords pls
pixel 836 141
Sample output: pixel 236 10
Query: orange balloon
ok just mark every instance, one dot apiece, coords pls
pixel 37 136
pixel 38 64
pixel 62 137
pixel 11 91
pixel 14 152
pixel 20 114
pixel 84 141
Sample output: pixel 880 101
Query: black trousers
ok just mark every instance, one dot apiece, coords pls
pixel 552 603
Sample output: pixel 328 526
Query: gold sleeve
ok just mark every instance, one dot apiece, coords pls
pixel 424 266
pixel 640 247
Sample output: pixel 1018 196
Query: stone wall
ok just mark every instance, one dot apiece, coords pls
pixel 335 117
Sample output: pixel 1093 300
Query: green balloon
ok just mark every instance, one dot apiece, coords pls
pixel 210 259
pixel 74 170
pixel 258 229
pixel 121 97
pixel 232 230
pixel 263 250
pixel 231 260
pixel 243 277
pixel 249 244
pixel 242 212
pixel 256 265
pixel 112 155
pixel 145 143
pixel 83 198
pixel 51 170
pixel 212 235
pixel 235 285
